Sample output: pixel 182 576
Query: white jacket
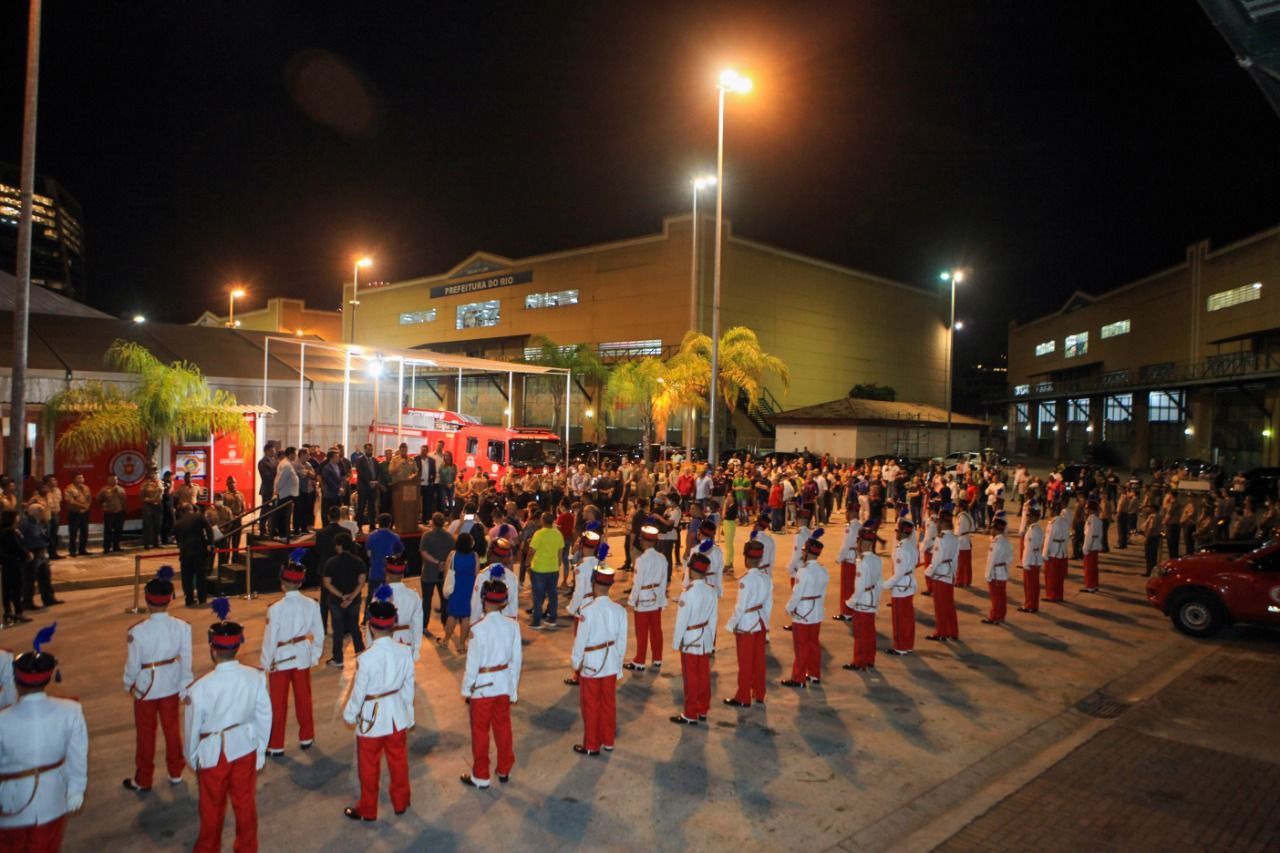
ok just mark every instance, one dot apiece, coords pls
pixel 649 587
pixel 602 639
pixel 8 690
pixel 408 628
pixel 946 551
pixel 964 526
pixel 494 658
pixel 715 572
pixel 41 731
pixel 1092 534
pixel 477 606
pixel 158 658
pixel 768 559
pixel 381 700
pixel 930 537
pixel 582 584
pixel 1032 546
pixel 228 713
pixel 695 631
pixel 755 603
pixel 903 582
pixel 1055 543
pixel 798 556
pixel 848 552
pixel 806 603
pixel 294 638
pixel 999 559
pixel 866 584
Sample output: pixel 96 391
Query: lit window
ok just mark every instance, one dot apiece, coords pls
pixel 409 318
pixel 622 348
pixel 1077 344
pixel 535 353
pixel 551 300
pixel 1118 408
pixel 1021 390
pixel 1045 347
pixel 1078 410
pixel 475 315
pixel 1235 296
pixel 1164 406
pixel 1111 330
pixel 1022 413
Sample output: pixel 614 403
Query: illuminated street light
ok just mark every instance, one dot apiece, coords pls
pixel 138 318
pixel 365 263
pixel 730 81
pixel 952 277
pixel 236 293
pixel 701 182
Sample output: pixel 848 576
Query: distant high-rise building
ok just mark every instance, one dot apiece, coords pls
pixel 57 239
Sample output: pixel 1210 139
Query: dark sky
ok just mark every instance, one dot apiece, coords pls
pixel 1049 146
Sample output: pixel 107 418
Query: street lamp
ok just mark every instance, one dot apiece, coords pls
pixel 236 293
pixel 730 81
pixel 954 277
pixel 701 182
pixel 138 318
pixel 355 289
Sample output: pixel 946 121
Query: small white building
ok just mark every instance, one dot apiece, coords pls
pixel 850 429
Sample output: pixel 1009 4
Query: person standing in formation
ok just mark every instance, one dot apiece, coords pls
pixel 848 558
pixel 928 542
pixel 585 561
pixel 806 608
pixel 408 604
pixel 999 558
pixel 695 639
pixel 1032 559
pixel 228 722
pixel 292 643
pixel 1093 542
pixel 381 708
pixel 157 667
pixel 943 571
pixel 902 589
pixel 749 624
pixel 865 600
pixel 648 599
pixel 497 567
pixel 762 535
pixel 44 756
pixel 1055 555
pixel 491 682
pixel 598 648
pixel 963 526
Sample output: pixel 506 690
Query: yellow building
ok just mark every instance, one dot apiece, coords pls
pixel 834 327
pixel 285 316
pixel 1183 363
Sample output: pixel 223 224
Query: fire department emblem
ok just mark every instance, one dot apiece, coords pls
pixel 129 467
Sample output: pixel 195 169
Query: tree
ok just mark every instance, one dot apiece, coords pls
pixel 872 391
pixel 580 359
pixel 744 365
pixel 166 401
pixel 639 384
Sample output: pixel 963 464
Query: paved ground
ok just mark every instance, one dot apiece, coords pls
pixel 866 761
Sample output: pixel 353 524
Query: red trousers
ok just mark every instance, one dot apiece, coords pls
pixel 648 634
pixel 848 573
pixel 964 568
pixel 944 611
pixel 278 685
pixel 1031 588
pixel 145 714
pixel 696 672
pixel 999 600
pixel 750 667
pixel 904 623
pixel 40 838
pixel 369 763
pixel 864 639
pixel 1055 577
pixel 808 662
pixel 1090 569
pixel 598 699
pixel 235 779
pixel 492 713
pixel 928 581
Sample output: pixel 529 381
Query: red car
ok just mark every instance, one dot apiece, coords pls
pixel 1204 591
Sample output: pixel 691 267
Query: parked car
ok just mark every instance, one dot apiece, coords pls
pixel 951 460
pixel 1204 591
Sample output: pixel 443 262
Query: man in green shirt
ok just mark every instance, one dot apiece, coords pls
pixel 544 566
pixel 742 489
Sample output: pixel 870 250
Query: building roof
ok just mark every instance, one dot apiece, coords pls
pixel 44 301
pixel 857 412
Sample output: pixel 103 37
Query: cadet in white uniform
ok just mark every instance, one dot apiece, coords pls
pixel 1093 543
pixel 1055 556
pixel 1032 559
pixel 848 559
pixel 749 623
pixel 490 684
pixel 865 600
pixel 157 667
pixel 695 639
pixel 647 600
pixel 408 604
pixel 44 756
pixel 999 558
pixel 806 609
pixel 381 709
pixel 598 649
pixel 499 562
pixel 946 551
pixel 291 645
pixel 902 589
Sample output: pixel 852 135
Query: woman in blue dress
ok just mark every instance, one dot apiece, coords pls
pixel 459 579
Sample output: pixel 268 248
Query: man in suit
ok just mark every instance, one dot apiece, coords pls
pixel 266 482
pixel 426 481
pixel 366 465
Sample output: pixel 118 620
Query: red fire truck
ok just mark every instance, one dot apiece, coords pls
pixel 475 447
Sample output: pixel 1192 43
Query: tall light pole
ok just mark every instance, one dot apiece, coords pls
pixel 730 81
pixel 699 183
pixel 954 277
pixel 355 290
pixel 236 293
pixel 22 292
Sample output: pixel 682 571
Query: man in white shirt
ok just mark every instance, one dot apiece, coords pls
pixel 647 600
pixel 805 607
pixel 902 589
pixel 1093 543
pixel 287 488
pixel 999 558
pixel 865 600
pixel 1032 559
pixel 291 645
pixel 490 684
pixel 695 639
pixel 750 625
pixel 598 649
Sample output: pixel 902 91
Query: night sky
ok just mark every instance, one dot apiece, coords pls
pixel 1049 146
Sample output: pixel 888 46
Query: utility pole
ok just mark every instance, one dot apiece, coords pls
pixel 22 292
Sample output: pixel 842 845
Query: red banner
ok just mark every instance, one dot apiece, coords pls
pixel 232 459
pixel 129 464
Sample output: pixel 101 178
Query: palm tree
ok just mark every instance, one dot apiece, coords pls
pixel 167 401
pixel 744 365
pixel 580 359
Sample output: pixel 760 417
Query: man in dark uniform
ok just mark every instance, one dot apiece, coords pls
pixel 195 546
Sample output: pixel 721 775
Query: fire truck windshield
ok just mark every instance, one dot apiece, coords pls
pixel 534 451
